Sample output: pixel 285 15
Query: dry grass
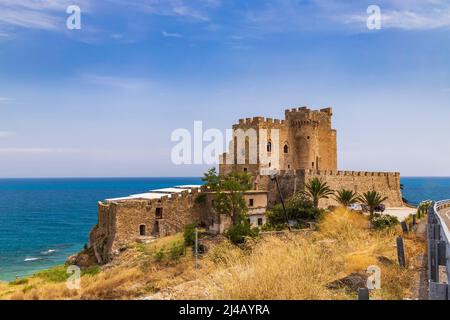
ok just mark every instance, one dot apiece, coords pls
pixel 300 268
pixel 291 267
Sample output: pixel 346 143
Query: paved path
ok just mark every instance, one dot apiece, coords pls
pixel 401 212
pixel 445 215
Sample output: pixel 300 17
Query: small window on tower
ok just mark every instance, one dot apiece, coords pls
pixel 313 164
pixel 250 202
pixel 245 169
pixel 270 164
pixel 269 146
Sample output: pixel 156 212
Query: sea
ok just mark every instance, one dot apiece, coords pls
pixel 43 221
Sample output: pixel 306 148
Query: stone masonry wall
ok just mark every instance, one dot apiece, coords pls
pixel 386 183
pixel 119 223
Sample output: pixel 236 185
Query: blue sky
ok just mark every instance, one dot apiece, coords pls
pixel 103 100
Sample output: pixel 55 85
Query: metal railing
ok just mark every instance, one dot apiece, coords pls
pixel 438 252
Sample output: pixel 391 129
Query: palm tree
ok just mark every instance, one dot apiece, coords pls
pixel 346 197
pixel 316 189
pixel 372 199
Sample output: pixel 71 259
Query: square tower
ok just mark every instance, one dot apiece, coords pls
pixel 304 140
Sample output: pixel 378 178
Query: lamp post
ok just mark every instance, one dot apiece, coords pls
pixel 273 177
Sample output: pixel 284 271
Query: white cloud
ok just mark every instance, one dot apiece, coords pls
pixel 4 99
pixel 316 15
pixel 406 20
pixel 171 34
pixel 36 14
pixel 404 15
pixel 191 9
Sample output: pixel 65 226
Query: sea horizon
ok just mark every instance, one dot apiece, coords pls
pixel 162 177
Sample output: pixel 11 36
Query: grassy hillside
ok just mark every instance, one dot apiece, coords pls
pixel 290 266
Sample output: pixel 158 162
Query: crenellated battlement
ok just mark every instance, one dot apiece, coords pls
pixel 327 173
pixel 260 122
pixel 308 111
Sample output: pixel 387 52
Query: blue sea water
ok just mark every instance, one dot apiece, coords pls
pixel 417 189
pixel 43 221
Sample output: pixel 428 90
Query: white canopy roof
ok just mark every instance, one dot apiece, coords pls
pixel 189 186
pixel 157 193
pixel 170 190
pixel 149 196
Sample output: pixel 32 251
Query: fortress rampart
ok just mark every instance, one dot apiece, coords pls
pixel 124 222
pixel 386 183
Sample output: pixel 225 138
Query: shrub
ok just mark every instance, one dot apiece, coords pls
pixel 201 199
pixel 19 282
pixel 239 232
pixel 381 222
pixel 159 255
pixel 298 208
pixel 91 271
pixel 176 251
pixel 189 234
pixel 57 274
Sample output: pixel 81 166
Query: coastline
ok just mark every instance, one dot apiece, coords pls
pixel 415 188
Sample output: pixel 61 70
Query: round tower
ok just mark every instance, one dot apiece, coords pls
pixel 310 135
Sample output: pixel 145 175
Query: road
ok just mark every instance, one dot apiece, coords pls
pixel 445 215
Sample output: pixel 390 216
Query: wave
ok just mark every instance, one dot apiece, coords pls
pixel 31 259
pixel 49 251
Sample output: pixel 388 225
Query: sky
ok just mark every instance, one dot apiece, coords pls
pixel 103 101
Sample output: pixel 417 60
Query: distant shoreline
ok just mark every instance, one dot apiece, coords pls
pixel 166 177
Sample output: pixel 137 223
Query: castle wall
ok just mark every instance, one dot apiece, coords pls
pixel 121 223
pixel 290 182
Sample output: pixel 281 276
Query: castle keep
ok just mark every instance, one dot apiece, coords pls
pixel 304 140
pixel 300 147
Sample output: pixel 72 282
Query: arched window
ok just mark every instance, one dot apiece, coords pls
pixel 269 146
pixel 286 148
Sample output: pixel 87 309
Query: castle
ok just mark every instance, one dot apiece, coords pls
pixel 304 140
pixel 301 147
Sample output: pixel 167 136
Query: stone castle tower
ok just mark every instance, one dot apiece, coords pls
pixel 304 140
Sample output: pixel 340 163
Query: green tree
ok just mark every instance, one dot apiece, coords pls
pixel 372 199
pixel 211 179
pixel 317 189
pixel 242 230
pixel 299 208
pixel 346 197
pixel 229 197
